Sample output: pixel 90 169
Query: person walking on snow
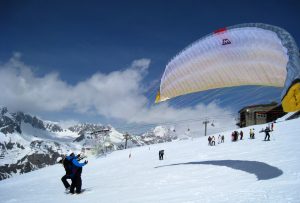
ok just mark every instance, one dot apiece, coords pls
pixel 241 134
pixel 251 133
pixel 161 154
pixel 76 175
pixel 209 140
pixel 219 139
pixel 267 131
pixel 222 139
pixel 213 142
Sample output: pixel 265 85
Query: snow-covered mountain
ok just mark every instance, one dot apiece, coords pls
pixel 159 134
pixel 106 138
pixel 249 170
pixel 28 143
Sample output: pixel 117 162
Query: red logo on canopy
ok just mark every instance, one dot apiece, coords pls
pixel 221 30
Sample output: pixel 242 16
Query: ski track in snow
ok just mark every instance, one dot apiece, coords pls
pixel 192 171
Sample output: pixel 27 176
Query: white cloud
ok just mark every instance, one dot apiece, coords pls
pixel 117 95
pixel 22 90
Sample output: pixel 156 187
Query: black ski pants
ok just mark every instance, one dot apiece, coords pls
pixel 267 136
pixel 76 184
pixel 64 180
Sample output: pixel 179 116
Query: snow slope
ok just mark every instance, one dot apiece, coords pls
pixel 244 171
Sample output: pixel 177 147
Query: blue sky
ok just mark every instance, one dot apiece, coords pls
pixel 78 39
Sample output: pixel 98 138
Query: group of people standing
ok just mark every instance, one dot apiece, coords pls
pixel 251 133
pixel 235 135
pixel 73 171
pixel 212 140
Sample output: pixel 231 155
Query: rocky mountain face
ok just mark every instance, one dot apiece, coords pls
pixel 21 152
pixel 87 128
pixel 11 122
pixel 17 158
pixel 43 154
pixel 52 127
pixel 28 143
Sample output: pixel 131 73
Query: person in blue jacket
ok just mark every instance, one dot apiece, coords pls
pixel 76 174
pixel 67 163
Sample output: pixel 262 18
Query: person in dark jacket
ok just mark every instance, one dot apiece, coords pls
pixel 161 154
pixel 267 131
pixel 76 175
pixel 241 135
pixel 209 140
pixel 67 163
pixel 232 136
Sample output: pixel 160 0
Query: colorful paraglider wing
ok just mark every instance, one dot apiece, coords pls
pixel 247 54
pixel 157 99
pixel 291 100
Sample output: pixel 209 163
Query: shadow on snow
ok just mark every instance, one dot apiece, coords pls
pixel 262 170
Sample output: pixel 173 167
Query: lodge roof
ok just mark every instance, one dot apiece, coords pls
pixel 258 105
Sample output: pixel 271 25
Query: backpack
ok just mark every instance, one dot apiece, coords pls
pixel 68 165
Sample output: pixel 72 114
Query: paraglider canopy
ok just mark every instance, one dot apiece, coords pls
pixel 246 54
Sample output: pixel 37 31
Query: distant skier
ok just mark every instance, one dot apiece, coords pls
pixel 161 154
pixel 76 174
pixel 213 142
pixel 252 133
pixel 222 139
pixel 67 163
pixel 241 135
pixel 219 139
pixel 209 140
pixel 272 126
pixel 267 131
pixel 234 136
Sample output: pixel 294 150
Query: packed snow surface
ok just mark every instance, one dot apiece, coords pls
pixel 244 171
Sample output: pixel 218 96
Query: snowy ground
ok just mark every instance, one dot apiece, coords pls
pixel 245 171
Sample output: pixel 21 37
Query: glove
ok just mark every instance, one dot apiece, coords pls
pixel 85 161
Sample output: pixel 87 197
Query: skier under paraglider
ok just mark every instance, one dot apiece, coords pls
pixel 76 174
pixel 67 163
